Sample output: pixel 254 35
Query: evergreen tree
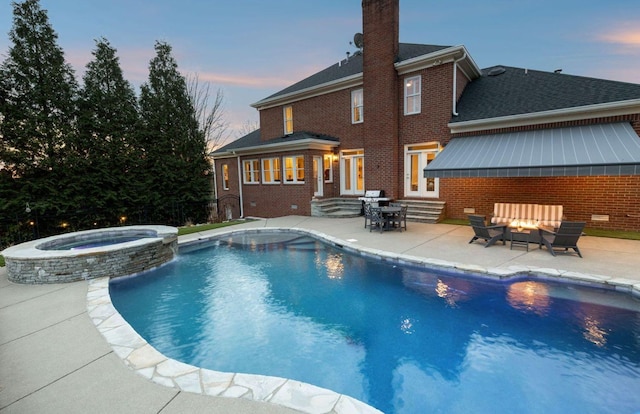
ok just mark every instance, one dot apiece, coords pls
pixel 37 112
pixel 176 164
pixel 105 152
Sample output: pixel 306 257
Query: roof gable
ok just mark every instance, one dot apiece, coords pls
pixel 349 67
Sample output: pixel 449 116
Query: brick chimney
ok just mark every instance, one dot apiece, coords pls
pixel 380 21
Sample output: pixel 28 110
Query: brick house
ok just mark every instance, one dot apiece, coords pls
pixel 425 124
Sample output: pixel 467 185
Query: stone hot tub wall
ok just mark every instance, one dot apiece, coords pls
pixel 27 264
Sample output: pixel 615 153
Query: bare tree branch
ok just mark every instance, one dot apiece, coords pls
pixel 246 128
pixel 209 112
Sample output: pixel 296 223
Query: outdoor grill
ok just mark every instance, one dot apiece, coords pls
pixel 373 196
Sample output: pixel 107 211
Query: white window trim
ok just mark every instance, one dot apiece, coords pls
pixel 294 170
pixel 272 170
pixel 417 95
pixel 420 149
pixel 225 176
pixel 286 120
pixel 328 177
pixel 255 173
pixel 354 105
pixel 348 156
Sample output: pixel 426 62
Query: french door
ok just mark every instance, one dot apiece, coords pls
pixel 352 172
pixel 417 157
pixel 318 181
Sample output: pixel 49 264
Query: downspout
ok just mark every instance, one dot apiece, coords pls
pixel 240 188
pixel 455 82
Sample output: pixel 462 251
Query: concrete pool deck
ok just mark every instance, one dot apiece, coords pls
pixel 53 359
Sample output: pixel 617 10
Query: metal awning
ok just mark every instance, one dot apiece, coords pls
pixel 604 149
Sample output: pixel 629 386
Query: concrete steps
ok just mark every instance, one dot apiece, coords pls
pixel 424 211
pixel 419 210
pixel 337 207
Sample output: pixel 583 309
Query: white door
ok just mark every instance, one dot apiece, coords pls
pixel 417 157
pixel 352 172
pixel 317 177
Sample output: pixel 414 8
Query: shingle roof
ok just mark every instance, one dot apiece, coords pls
pixel 500 91
pixel 518 91
pixel 253 140
pixel 353 66
pixel 250 140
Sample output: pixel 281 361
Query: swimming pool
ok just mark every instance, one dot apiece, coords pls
pixel 398 338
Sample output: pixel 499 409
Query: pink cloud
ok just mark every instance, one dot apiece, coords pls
pixel 243 80
pixel 133 62
pixel 264 80
pixel 78 59
pixel 624 34
pixel 621 73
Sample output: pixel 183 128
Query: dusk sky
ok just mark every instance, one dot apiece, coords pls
pixel 251 49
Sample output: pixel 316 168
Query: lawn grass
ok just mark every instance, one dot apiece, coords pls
pixel 615 234
pixel 204 227
pixel 461 222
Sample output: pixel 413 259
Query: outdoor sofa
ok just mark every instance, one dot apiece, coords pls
pixel 529 215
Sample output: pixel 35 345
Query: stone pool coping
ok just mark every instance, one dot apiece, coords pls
pixel 27 249
pixel 145 360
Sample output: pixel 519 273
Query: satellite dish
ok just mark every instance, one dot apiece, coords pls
pixel 358 40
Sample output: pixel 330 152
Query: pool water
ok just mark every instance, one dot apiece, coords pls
pixel 399 338
pixel 97 241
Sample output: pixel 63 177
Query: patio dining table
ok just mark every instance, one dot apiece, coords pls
pixel 389 212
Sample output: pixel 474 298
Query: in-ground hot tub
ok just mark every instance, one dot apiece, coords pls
pixel 109 252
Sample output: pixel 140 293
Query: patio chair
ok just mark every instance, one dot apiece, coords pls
pixel 399 221
pixel 367 214
pixel 490 234
pixel 377 219
pixel 566 237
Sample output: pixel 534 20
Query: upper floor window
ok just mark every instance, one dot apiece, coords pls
pixel 288 120
pixel 294 169
pixel 412 95
pixel 225 176
pixel 270 170
pixel 357 107
pixel 251 170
